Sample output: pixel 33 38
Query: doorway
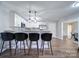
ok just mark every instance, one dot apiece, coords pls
pixel 69 30
pixel 70 27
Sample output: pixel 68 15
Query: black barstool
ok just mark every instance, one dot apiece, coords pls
pixel 46 37
pixel 75 36
pixel 33 37
pixel 20 37
pixel 7 36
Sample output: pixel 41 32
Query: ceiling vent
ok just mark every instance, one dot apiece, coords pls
pixel 76 4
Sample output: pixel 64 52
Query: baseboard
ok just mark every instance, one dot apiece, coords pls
pixel 57 38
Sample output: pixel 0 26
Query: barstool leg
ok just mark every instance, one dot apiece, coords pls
pixel 30 47
pixel 27 43
pixel 10 47
pixel 16 47
pixel 51 48
pixel 43 47
pixel 20 46
pixel 48 44
pixel 37 48
pixel 2 47
pixel 41 44
pixel 24 47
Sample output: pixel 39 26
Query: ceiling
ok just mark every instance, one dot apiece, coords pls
pixel 46 10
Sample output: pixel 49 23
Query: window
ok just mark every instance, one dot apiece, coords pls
pixel 19 21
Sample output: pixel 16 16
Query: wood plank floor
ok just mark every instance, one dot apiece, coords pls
pixel 61 49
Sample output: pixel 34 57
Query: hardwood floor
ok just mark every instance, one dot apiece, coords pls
pixel 61 49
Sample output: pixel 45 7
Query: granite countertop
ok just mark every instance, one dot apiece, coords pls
pixel 18 29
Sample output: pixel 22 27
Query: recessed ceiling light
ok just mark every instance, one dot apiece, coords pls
pixel 76 4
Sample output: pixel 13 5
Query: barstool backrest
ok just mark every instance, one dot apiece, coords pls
pixel 7 36
pixel 34 36
pixel 20 36
pixel 46 36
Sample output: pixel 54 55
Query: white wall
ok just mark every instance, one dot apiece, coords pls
pixel 52 28
pixel 65 29
pixel 4 21
pixel 59 29
pixel 4 18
